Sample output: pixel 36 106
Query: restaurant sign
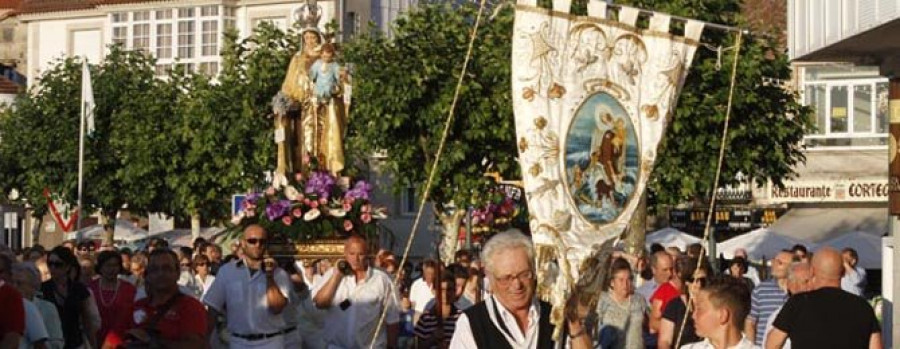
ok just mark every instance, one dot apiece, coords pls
pixel 837 190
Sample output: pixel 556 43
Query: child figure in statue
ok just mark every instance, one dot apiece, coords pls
pixel 325 75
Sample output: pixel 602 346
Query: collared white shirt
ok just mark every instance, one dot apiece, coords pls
pixel 705 344
pixel 242 298
pixel 854 281
pixel 517 339
pixel 353 326
pixel 419 294
pixel 647 288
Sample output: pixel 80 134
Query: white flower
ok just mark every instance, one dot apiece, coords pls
pixel 279 181
pixel 311 215
pixel 380 213
pixel 291 193
pixel 336 212
pixel 236 219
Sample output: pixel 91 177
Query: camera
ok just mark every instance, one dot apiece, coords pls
pixel 345 268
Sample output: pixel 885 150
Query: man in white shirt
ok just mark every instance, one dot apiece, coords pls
pixel 854 279
pixel 720 308
pixel 512 316
pixel 354 297
pixel 422 290
pixel 252 293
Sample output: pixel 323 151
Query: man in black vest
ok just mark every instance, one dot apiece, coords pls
pixel 512 317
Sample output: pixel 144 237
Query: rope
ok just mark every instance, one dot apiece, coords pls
pixel 437 158
pixel 712 202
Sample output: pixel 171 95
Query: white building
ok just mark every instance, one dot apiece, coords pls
pixel 847 57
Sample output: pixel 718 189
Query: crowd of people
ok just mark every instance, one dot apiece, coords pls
pixel 78 296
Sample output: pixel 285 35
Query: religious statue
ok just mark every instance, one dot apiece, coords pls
pixel 310 111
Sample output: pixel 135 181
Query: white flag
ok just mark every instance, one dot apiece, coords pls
pixel 87 98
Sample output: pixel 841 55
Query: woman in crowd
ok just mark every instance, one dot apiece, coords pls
pixel 114 298
pixel 621 313
pixel 71 298
pixel 201 273
pixel 674 314
pixel 138 267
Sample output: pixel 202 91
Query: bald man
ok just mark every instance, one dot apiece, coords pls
pixel 353 298
pixel 826 317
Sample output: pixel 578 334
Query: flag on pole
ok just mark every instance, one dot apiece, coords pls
pixel 87 97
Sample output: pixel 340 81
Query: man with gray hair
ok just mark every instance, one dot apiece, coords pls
pixel 512 316
pixel 798 281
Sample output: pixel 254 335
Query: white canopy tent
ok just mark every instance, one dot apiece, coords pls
pixel 671 237
pixel 867 245
pixel 760 244
pixel 125 231
pixel 182 237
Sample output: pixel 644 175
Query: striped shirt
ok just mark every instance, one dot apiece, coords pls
pixel 765 300
pixel 428 324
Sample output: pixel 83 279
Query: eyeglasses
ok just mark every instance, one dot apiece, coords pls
pixel 254 241
pixel 701 281
pixel 523 277
pixel 56 264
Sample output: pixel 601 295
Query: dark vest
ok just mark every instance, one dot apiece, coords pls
pixel 488 335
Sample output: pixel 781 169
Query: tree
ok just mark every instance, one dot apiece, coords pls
pixel 223 128
pixel 403 87
pixel 122 157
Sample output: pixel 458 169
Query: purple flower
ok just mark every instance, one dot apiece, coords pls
pixel 360 190
pixel 320 183
pixel 277 209
pixel 252 198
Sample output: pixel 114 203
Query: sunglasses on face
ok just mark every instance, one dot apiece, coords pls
pixel 255 241
pixel 701 280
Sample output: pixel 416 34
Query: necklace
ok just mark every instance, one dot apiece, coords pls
pixel 103 298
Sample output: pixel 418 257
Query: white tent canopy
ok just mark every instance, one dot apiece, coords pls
pixel 125 231
pixel 671 237
pixel 760 243
pixel 867 245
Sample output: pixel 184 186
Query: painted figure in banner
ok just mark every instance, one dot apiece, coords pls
pixel 601 158
pixel 307 126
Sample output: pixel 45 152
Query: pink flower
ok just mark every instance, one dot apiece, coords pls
pixel 348 225
pixel 306 202
pixel 347 207
pixel 270 191
pixel 313 204
pixel 298 176
pixel 305 159
pixel 366 218
pixel 297 212
pixel 287 220
pixel 323 201
pixel 366 208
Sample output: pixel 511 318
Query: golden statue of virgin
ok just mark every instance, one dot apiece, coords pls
pixel 311 124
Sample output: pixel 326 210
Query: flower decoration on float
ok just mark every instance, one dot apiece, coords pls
pixel 313 205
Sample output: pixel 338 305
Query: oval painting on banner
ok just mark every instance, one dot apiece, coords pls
pixel 601 159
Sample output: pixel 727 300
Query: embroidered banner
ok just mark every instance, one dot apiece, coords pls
pixel 592 97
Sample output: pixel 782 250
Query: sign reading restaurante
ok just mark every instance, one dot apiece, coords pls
pixel 838 190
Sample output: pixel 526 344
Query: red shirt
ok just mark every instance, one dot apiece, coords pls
pixel 664 293
pixel 13 319
pixel 186 317
pixel 116 309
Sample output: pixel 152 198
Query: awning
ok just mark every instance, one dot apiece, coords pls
pixel 816 225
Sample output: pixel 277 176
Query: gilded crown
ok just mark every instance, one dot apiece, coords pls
pixel 308 15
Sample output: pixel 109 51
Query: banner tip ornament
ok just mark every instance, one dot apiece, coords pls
pixel 591 98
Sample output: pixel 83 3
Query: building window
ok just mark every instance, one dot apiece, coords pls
pixel 163 41
pixel 163 14
pixel 409 202
pixel 210 38
pixel 210 69
pixel 120 17
pixel 141 37
pixel 185 39
pixel 209 11
pixel 120 36
pixel 141 16
pixel 187 12
pixel 849 106
pixel 8 35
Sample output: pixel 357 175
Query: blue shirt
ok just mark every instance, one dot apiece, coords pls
pixel 765 300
